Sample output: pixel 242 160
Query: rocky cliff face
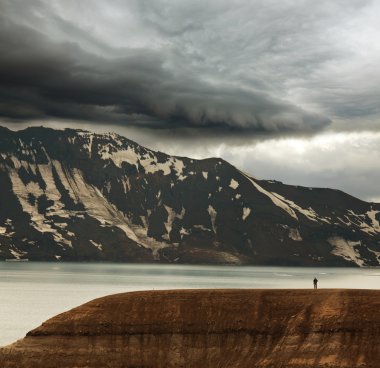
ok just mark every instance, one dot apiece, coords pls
pixel 73 196
pixel 209 328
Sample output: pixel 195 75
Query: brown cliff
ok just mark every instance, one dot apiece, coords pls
pixel 209 328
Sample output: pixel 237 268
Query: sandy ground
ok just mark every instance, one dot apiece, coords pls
pixel 209 328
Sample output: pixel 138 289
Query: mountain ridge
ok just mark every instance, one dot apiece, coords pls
pixel 75 195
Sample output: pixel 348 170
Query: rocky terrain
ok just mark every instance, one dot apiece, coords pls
pixel 209 328
pixel 71 195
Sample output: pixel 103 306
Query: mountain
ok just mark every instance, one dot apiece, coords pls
pixel 209 328
pixel 72 195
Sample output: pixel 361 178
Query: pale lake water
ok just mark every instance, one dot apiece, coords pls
pixel 33 292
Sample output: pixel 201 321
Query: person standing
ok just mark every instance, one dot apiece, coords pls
pixel 315 282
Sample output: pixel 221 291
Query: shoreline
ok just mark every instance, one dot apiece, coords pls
pixel 219 327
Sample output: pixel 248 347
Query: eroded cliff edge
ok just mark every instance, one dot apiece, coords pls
pixel 209 328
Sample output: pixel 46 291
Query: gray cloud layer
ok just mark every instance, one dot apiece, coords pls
pixel 235 66
pixel 244 80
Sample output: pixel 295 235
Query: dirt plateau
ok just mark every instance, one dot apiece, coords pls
pixel 209 328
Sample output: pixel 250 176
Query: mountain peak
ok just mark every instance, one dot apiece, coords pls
pixel 76 195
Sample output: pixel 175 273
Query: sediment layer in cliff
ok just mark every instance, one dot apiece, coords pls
pixel 209 328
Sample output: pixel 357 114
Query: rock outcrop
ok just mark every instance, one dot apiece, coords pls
pixel 77 196
pixel 209 328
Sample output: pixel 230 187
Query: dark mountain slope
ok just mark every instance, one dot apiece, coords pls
pixel 74 195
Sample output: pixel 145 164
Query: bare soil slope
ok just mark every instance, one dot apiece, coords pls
pixel 209 328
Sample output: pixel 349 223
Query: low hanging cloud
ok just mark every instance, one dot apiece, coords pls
pixel 52 75
pixel 244 80
pixel 257 66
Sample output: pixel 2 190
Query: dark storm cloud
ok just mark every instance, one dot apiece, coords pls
pixel 195 78
pixel 79 77
pixel 260 66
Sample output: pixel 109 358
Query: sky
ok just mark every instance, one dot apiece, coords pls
pixel 286 90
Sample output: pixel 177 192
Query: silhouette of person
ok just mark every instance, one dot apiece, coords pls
pixel 315 282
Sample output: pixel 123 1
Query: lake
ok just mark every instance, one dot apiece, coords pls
pixel 32 292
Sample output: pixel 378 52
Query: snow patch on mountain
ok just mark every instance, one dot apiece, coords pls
pixel 309 212
pixel 88 138
pixel 377 254
pixel 212 212
pixel 148 159
pixel 169 223
pixel 375 223
pixel 201 227
pixel 97 206
pixel 234 184
pixel 126 184
pixel 278 202
pixel 346 249
pixel 63 177
pixel 295 235
pixel 246 212
pixel 23 193
pixel 181 215
pixel 107 152
pixel 17 254
pixel 96 245
pixel 359 220
pixel 178 165
pixel 61 240
pixel 29 194
pixel 51 190
pixel 183 232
